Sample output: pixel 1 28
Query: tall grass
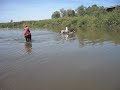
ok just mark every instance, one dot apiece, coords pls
pixel 110 20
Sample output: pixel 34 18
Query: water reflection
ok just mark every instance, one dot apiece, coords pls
pixel 28 47
pixel 68 37
pixel 93 37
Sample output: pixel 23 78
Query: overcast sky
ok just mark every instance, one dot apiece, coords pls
pixel 21 10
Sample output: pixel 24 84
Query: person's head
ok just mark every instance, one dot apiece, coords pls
pixel 26 26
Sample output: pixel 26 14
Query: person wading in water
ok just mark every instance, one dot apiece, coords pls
pixel 27 33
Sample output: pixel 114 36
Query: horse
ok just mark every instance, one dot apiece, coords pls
pixel 28 37
pixel 67 31
pixel 64 31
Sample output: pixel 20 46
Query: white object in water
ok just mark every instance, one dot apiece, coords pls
pixel 66 29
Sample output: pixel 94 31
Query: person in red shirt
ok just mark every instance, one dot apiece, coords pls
pixel 27 33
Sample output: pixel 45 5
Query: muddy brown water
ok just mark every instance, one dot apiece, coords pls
pixel 84 61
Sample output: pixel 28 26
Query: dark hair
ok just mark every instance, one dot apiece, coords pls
pixel 26 26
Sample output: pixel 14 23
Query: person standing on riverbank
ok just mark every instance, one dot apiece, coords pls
pixel 27 33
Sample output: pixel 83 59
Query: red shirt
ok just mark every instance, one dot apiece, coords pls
pixel 26 31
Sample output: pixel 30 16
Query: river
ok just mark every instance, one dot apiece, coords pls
pixel 86 60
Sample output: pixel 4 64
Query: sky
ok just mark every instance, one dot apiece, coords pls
pixel 22 10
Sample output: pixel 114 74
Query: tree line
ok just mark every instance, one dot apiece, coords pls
pixel 82 17
pixel 80 11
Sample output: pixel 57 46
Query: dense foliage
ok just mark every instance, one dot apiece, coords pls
pixel 82 17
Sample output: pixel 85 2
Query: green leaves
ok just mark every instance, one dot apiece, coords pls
pixel 84 17
pixel 56 14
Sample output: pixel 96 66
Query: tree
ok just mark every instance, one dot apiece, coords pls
pixel 56 14
pixel 73 12
pixel 81 10
pixel 70 13
pixel 63 12
pixel 11 21
pixel 94 9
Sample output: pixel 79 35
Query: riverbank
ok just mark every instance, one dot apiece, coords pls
pixel 98 18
